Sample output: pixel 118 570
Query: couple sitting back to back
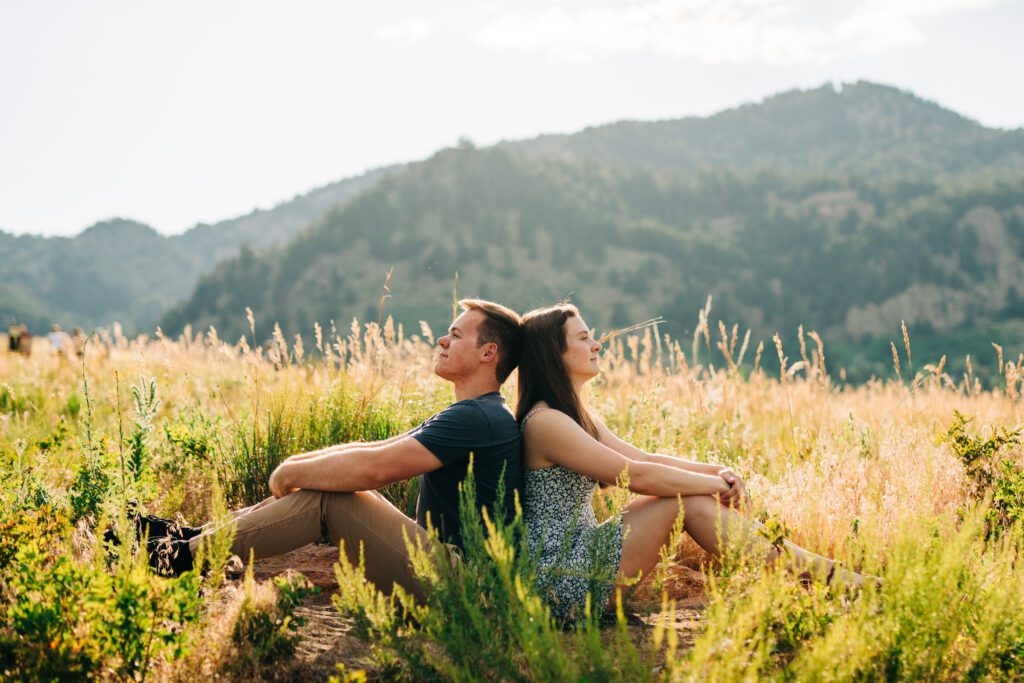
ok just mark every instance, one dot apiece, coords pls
pixel 553 449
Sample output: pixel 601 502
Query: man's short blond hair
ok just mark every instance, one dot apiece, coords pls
pixel 502 326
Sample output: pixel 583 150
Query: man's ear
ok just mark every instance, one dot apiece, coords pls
pixel 490 352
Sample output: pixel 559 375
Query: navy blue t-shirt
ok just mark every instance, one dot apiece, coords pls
pixel 485 427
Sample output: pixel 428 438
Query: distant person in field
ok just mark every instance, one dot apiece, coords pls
pixel 331 493
pixel 13 338
pixel 21 340
pixel 567 450
pixel 58 339
pixel 78 340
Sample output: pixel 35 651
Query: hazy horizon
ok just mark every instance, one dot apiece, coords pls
pixel 207 113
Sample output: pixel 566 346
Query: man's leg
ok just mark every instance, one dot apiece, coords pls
pixel 235 514
pixel 274 527
pixel 156 527
pixel 368 518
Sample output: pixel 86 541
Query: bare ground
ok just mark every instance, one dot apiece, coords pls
pixel 326 638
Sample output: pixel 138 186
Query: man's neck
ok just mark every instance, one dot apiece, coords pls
pixel 475 386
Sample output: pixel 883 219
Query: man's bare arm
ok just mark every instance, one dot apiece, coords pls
pixel 355 469
pixel 342 447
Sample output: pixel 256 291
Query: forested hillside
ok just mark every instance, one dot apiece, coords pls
pixel 121 270
pixel 847 257
pixel 116 270
pixel 259 229
pixel 846 210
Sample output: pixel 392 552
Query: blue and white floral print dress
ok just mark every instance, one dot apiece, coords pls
pixel 576 555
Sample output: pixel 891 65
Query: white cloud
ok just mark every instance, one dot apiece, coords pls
pixel 720 31
pixel 406 31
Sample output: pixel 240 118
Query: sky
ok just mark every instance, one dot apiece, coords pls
pixel 178 113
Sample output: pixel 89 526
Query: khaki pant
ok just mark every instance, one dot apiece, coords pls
pixel 273 527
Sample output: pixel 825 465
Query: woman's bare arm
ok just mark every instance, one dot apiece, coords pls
pixel 555 438
pixel 737 493
pixel 632 452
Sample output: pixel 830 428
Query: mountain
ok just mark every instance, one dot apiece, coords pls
pixel 117 270
pixel 844 209
pixel 860 128
pixel 259 229
pixel 849 257
pixel 123 270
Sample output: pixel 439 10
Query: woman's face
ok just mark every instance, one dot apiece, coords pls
pixel 580 357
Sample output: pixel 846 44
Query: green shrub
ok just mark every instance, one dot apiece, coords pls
pixel 949 608
pixel 194 437
pixel 72 407
pixel 145 405
pixel 46 526
pixel 999 481
pixel 267 631
pixel 64 619
pixel 56 438
pixel 482 619
pixel 91 485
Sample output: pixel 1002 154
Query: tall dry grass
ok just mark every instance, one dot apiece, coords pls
pixel 852 471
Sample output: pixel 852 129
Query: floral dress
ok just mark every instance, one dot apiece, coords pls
pixel 575 555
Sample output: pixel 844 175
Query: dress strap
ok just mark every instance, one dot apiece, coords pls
pixel 522 425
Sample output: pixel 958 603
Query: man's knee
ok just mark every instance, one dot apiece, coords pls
pixel 343 501
pixel 341 511
pixel 304 499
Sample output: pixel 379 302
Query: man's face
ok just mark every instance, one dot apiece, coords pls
pixel 460 354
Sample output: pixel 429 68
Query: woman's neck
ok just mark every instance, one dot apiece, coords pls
pixel 577 387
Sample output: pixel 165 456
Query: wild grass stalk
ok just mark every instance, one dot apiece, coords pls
pixel 845 468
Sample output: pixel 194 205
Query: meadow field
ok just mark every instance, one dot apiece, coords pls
pixel 917 478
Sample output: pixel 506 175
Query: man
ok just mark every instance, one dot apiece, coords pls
pixel 332 492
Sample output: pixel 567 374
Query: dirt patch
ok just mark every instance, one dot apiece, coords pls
pixel 315 562
pixel 327 638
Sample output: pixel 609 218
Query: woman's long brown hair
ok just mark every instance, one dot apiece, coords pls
pixel 542 373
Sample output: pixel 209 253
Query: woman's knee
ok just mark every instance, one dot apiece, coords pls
pixel 665 510
pixel 701 505
pixel 704 500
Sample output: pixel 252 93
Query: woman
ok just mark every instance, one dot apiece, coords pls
pixel 567 450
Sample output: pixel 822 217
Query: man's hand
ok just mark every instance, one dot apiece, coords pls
pixel 278 481
pixel 736 496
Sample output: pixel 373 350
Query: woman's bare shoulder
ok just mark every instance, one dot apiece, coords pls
pixel 547 422
pixel 541 412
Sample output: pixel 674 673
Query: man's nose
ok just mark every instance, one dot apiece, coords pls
pixel 443 341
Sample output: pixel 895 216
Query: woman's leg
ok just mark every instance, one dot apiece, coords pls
pixel 648 524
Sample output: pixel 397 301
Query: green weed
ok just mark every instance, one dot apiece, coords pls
pixel 990 478
pixel 482 618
